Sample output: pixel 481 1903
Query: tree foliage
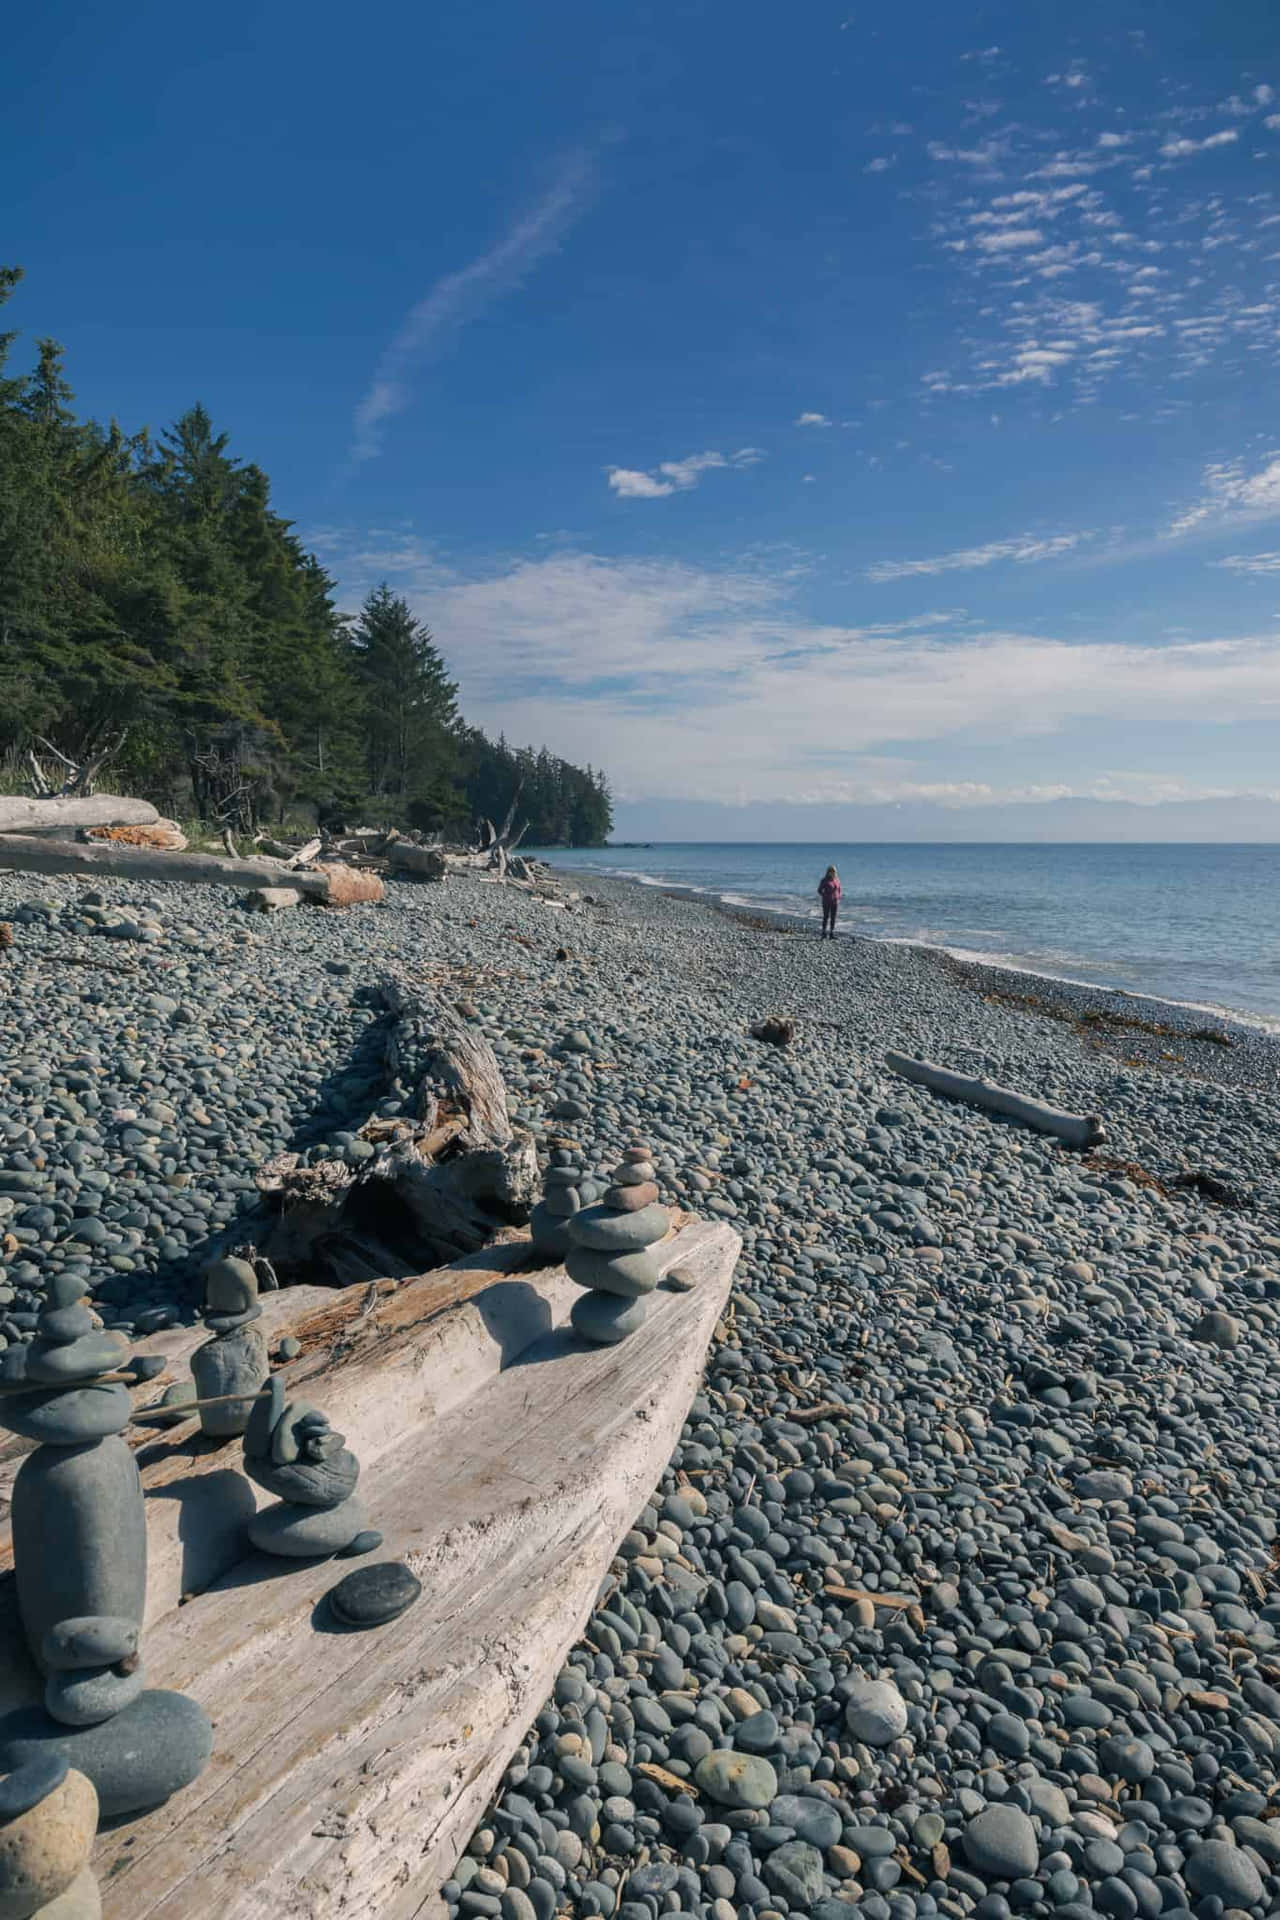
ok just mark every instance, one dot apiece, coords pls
pixel 150 584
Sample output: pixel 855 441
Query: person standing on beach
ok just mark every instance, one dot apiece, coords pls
pixel 830 889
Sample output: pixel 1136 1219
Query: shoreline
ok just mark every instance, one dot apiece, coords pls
pixel 1106 1012
pixel 726 901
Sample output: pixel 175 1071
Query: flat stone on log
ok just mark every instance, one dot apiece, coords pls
pixel 605 1318
pixel 371 1596
pixel 78 1360
pixel 136 1759
pixel 611 1232
pixel 627 1274
pixel 306 1533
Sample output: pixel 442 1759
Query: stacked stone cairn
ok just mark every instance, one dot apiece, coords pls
pixel 561 1200
pixel 48 1819
pixel 80 1565
pixel 235 1359
pixel 292 1451
pixel 609 1251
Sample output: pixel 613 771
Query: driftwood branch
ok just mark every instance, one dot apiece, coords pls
pixel 1077 1130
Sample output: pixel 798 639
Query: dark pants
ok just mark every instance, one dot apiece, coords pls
pixel 829 912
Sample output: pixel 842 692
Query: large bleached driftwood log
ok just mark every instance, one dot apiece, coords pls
pixel 445 1181
pixel 331 886
pixel 59 813
pixel 425 863
pixel 1077 1130
pixel 503 1459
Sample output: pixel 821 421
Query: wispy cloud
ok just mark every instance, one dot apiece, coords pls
pixel 1180 147
pixel 676 476
pixel 1023 550
pixel 1249 563
pixel 458 297
pixel 813 420
pixel 1233 494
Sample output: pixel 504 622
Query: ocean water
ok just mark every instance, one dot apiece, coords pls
pixel 1197 924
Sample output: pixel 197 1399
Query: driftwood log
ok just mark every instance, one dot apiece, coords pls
pixel 331 886
pixel 60 812
pixel 1077 1130
pixel 425 863
pixel 503 1459
pixel 442 1182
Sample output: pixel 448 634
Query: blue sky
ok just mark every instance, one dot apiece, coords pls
pixel 815 416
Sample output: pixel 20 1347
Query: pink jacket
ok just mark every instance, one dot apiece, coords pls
pixel 830 890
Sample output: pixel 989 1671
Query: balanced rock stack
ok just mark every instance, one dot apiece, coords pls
pixel 235 1359
pixel 48 1819
pixel 80 1566
pixel 609 1251
pixel 561 1199
pixel 292 1451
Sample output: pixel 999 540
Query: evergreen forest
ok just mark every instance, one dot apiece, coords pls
pixel 149 589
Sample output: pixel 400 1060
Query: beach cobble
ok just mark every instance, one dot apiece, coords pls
pixel 959 1593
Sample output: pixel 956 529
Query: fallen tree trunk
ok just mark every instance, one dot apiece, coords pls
pixel 427 863
pixel 446 1181
pixel 19 814
pixel 331 886
pixel 1077 1130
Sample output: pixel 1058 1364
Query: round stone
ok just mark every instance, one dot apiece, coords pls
pixel 71 1417
pixel 1217 1330
pixel 1000 1844
pixel 630 1199
pixel 629 1275
pixel 550 1236
pixel 371 1596
pixel 306 1533
pixel 63 1324
pixel 230 1286
pixel 44 1848
pixel 736 1779
pixel 562 1202
pixel 681 1279
pixel 611 1232
pixel 876 1713
pixel 92 1640
pixel 367 1541
pixel 88 1694
pixel 26 1788
pixel 606 1318
pixel 180 1395
pixel 134 1760
pixel 50 1362
pixel 1217 1868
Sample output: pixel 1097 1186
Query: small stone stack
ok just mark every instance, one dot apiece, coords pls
pixel 549 1221
pixel 80 1565
pixel 609 1251
pixel 235 1359
pixel 292 1451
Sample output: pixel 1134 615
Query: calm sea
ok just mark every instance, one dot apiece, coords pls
pixel 1192 923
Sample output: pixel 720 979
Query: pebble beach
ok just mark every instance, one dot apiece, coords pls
pixel 960 1594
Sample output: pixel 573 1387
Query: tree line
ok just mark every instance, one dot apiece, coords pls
pixel 148 588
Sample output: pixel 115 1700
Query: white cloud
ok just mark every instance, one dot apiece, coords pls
pixel 1179 146
pixel 1232 493
pixel 813 420
pixel 881 163
pixel 1250 563
pixel 688 682
pixel 1008 239
pixel 1024 550
pixel 629 484
pixel 1273 121
pixel 1264 95
pixel 676 476
pixel 1114 139
pixel 458 297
